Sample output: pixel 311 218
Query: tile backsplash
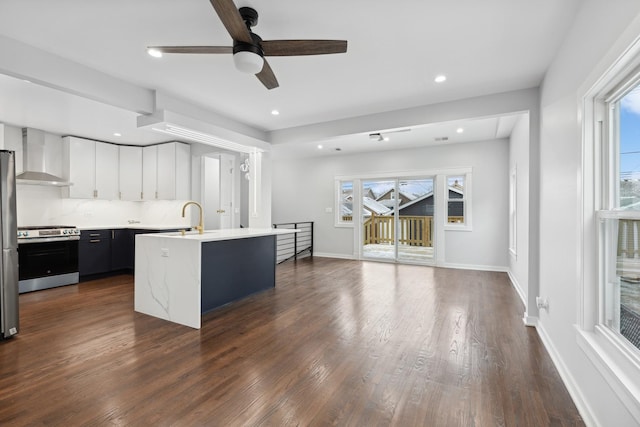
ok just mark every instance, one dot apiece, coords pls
pixel 42 205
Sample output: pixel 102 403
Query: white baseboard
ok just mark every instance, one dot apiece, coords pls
pixel 530 320
pixel 567 378
pixel 330 255
pixel 517 287
pixel 495 268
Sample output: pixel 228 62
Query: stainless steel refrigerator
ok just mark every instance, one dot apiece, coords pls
pixel 9 239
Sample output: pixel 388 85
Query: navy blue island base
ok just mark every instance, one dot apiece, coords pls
pixel 234 269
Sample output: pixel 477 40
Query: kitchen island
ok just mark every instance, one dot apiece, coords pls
pixel 179 277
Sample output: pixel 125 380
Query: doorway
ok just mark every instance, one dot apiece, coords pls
pixel 217 191
pixel 397 219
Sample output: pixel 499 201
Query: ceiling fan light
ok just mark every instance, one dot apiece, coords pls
pixel 156 53
pixel 248 62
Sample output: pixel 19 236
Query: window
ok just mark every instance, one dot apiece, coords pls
pixel 620 214
pixel 609 225
pixel 457 195
pixel 344 203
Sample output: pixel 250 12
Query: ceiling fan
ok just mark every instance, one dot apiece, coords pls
pixel 248 48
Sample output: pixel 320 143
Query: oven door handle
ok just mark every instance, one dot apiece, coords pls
pixel 48 239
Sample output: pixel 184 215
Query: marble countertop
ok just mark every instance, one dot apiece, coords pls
pixel 228 234
pixel 134 227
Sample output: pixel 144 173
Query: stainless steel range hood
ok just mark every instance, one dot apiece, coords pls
pixel 33 159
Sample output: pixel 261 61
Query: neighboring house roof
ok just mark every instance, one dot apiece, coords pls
pixel 417 200
pixel 457 189
pixel 344 210
pixel 374 206
pixel 405 194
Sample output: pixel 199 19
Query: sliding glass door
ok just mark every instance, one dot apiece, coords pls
pixel 397 219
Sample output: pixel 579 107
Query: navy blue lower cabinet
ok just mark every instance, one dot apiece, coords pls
pixel 234 269
pixel 94 252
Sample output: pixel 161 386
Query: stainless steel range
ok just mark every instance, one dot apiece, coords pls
pixel 48 256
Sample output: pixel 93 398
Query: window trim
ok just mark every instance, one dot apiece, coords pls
pixel 466 199
pixel 338 221
pixel 603 347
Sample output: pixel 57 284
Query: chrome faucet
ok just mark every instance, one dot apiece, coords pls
pixel 200 226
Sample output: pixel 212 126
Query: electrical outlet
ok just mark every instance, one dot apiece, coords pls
pixel 542 303
pixel 164 252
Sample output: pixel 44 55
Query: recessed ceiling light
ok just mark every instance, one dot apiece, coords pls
pixel 441 78
pixel 275 112
pixel 460 130
pixel 338 149
pixel 155 53
pixel 117 134
pixel 319 146
pixel 385 138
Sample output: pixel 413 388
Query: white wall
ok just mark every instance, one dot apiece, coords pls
pixel 302 189
pixel 597 27
pixel 519 160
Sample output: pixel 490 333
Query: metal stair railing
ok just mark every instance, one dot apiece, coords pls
pixel 294 245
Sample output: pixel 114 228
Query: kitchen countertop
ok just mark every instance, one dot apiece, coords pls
pixel 227 234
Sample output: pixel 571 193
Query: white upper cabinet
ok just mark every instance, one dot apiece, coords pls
pixel 130 166
pixel 169 177
pixel 107 171
pixel 150 173
pixel 92 167
pixel 100 170
pixel 79 167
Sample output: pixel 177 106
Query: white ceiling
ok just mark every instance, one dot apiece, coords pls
pixel 395 50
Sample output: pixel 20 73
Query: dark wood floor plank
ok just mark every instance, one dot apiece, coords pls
pixel 337 342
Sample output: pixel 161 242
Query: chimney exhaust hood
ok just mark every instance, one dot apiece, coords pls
pixel 33 160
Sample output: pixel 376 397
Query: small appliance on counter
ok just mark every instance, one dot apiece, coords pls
pixel 9 319
pixel 48 256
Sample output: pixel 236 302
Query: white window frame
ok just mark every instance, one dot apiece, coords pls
pixel 609 352
pixel 466 199
pixel 338 221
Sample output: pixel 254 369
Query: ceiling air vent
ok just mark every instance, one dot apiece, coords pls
pixel 442 138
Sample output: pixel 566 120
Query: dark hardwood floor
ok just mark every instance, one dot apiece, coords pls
pixel 337 342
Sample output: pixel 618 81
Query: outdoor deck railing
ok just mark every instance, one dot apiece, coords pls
pixel 294 245
pixel 414 230
pixel 629 238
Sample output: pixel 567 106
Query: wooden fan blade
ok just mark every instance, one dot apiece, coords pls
pixel 232 21
pixel 267 77
pixel 193 49
pixel 303 47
